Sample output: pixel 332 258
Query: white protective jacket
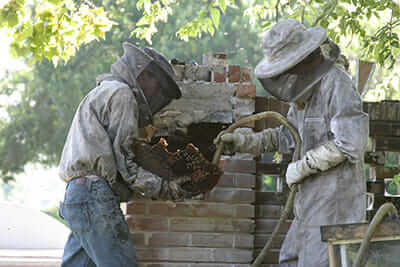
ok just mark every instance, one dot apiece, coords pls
pixel 335 196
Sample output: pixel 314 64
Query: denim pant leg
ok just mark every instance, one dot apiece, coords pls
pixel 74 254
pixel 98 224
pixel 109 240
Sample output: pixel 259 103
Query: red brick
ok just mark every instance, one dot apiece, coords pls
pixel 139 239
pixel 268 226
pixel 195 255
pixel 200 209
pixel 136 207
pixel 219 77
pixel 245 180
pixel 268 211
pixel 234 73
pixel 238 165
pixel 247 90
pixel 237 180
pixel 261 239
pixel 230 195
pixel 213 240
pixel 147 223
pixel 245 211
pixel 227 180
pixel 193 224
pixel 168 239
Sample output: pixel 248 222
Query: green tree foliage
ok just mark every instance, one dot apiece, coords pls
pixel 46 96
pixel 53 29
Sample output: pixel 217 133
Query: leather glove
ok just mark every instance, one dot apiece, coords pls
pixel 316 160
pixel 172 190
pixel 297 171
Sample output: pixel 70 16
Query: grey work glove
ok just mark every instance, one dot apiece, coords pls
pixel 146 184
pixel 316 160
pixel 297 171
pixel 172 190
pixel 151 186
pixel 244 140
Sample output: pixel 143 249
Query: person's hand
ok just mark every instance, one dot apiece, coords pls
pixel 172 190
pixel 232 142
pixel 319 159
pixel 297 171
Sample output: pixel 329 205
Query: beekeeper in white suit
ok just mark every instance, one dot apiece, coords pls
pixel 327 111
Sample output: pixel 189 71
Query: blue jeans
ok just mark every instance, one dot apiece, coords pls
pixel 99 233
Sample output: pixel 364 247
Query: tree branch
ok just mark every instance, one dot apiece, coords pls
pixel 326 12
pixel 277 10
pixel 304 10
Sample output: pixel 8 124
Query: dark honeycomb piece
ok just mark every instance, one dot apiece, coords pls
pixel 172 165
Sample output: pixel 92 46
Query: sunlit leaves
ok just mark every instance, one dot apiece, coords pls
pixel 343 19
pixel 55 29
pixel 152 14
pixel 207 20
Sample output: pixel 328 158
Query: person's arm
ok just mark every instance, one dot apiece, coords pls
pixel 123 129
pixel 348 127
pixel 244 140
pixel 349 124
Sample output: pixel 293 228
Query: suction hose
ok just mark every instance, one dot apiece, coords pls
pixel 290 202
pixel 383 211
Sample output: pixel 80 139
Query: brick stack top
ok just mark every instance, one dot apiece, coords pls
pixel 214 92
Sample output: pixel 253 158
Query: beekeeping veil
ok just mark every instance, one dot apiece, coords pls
pixel 132 63
pixel 285 45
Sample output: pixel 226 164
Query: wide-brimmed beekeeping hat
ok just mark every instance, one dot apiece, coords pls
pixel 286 44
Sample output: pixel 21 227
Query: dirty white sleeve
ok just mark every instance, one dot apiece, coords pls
pixel 349 124
pixel 257 143
pixel 324 157
pixel 123 129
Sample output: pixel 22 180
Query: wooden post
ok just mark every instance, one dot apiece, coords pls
pixel 331 254
pixel 364 72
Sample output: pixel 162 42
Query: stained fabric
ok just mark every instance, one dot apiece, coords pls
pixel 337 195
pixel 246 141
pixel 332 116
pixel 100 139
pixel 101 136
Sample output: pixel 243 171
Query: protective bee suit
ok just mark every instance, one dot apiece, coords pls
pixel 333 131
pixel 98 160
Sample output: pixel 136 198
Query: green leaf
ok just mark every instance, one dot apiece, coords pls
pixel 215 16
pixel 55 2
pixel 222 5
pixel 139 4
pixel 26 32
pixel 12 18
